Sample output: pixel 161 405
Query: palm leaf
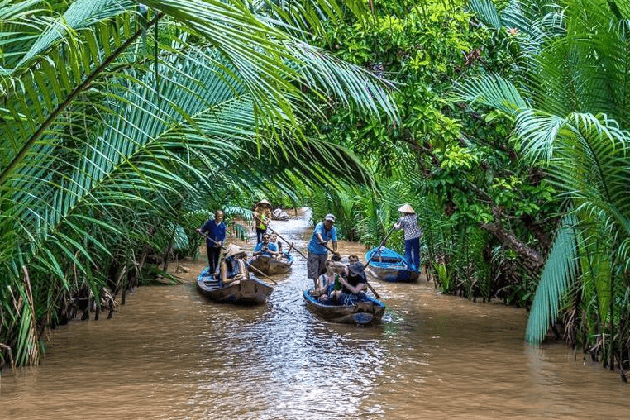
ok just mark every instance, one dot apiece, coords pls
pixel 559 272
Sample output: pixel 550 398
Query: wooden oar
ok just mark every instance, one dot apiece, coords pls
pixel 209 238
pixel 217 269
pixel 259 272
pixel 335 253
pixel 290 245
pixel 376 295
pixel 379 247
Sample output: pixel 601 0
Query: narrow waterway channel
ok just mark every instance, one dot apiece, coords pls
pixel 170 354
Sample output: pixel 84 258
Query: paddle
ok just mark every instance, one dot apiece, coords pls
pixel 209 238
pixel 336 256
pixel 379 247
pixel 259 272
pixel 216 270
pixel 376 295
pixel 290 245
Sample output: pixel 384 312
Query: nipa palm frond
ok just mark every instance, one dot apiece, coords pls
pixel 493 91
pixel 559 272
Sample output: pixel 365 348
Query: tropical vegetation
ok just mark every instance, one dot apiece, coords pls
pixel 512 147
pixel 569 107
pixel 487 216
pixel 122 124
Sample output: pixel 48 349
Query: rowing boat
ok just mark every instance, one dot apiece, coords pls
pixel 387 265
pixel 251 291
pixel 368 310
pixel 270 265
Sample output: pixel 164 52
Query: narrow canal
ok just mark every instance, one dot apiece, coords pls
pixel 170 354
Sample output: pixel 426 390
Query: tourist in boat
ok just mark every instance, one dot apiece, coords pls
pixel 214 230
pixel 353 283
pixel 408 222
pixel 274 240
pixel 262 217
pixel 233 266
pixel 266 247
pixel 318 247
pixel 328 283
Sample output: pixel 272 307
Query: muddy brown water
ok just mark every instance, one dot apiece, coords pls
pixel 170 354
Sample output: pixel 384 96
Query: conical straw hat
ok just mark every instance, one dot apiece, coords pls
pixel 233 250
pixel 406 209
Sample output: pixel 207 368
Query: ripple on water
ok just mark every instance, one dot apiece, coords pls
pixel 171 354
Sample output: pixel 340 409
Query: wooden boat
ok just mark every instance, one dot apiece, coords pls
pixel 364 312
pixel 387 265
pixel 279 214
pixel 270 265
pixel 243 292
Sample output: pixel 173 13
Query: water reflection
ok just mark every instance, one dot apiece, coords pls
pixel 171 354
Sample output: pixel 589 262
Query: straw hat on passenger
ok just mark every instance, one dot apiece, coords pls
pixel 406 209
pixel 234 251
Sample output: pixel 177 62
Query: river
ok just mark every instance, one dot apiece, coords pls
pixel 168 353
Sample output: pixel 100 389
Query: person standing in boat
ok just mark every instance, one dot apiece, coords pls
pixel 214 231
pixel 262 217
pixel 408 222
pixel 318 247
pixel 232 265
pixel 266 247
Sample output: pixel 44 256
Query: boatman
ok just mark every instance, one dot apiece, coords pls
pixel 214 231
pixel 262 217
pixel 318 247
pixel 408 222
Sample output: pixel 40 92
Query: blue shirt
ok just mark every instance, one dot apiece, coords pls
pixel 270 245
pixel 214 232
pixel 327 235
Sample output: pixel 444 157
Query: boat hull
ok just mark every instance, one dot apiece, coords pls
pixel 387 265
pixel 368 312
pixel 391 274
pixel 270 265
pixel 241 292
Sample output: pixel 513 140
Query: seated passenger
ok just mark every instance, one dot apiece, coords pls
pixel 266 247
pixel 274 240
pixel 327 284
pixel 353 283
pixel 232 265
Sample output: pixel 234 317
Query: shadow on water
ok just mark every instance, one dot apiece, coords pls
pixel 171 354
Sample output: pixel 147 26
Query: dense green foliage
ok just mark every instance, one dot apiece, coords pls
pixel 569 104
pixel 532 140
pixel 512 148
pixel 486 214
pixel 122 126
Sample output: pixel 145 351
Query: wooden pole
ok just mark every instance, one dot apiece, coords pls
pixel 280 236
